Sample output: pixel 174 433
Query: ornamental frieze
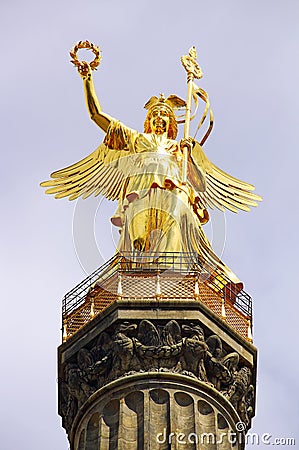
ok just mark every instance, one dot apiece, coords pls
pixel 148 346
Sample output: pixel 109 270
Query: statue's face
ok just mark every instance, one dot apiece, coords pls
pixel 160 119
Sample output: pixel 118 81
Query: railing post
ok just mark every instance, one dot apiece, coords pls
pixel 249 330
pixel 158 287
pixel 64 333
pixel 223 312
pixel 196 288
pixel 91 307
pixel 119 287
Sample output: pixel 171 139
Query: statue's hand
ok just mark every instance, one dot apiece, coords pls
pixel 187 142
pixel 84 69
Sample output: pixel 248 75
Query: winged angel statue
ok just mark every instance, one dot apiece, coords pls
pixel 159 208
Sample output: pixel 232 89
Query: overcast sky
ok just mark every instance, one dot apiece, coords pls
pixel 248 51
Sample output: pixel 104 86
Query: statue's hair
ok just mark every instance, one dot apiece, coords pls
pixel 173 127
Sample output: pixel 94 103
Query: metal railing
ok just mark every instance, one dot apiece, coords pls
pixel 74 298
pixel 178 275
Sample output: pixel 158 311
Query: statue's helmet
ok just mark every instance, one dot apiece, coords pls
pixel 169 104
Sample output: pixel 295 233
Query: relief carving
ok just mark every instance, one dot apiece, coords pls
pixel 145 347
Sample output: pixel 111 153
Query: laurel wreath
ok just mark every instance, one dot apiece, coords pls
pixel 87 46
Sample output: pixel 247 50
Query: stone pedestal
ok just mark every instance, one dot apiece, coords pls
pixel 160 374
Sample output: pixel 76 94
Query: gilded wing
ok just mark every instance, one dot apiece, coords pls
pixel 217 188
pixel 102 172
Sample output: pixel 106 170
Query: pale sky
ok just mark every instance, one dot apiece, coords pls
pixel 248 51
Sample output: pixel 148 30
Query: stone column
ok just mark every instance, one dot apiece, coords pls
pixel 157 411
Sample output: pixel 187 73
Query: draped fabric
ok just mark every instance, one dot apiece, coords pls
pixel 156 211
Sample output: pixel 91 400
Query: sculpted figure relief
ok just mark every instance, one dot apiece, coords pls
pixel 131 348
pixel 163 186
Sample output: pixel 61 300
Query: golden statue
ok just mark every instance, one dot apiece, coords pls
pixel 163 186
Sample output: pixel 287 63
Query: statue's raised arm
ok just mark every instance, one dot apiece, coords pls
pixel 105 169
pixel 96 113
pixel 84 68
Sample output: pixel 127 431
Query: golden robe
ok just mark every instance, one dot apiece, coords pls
pixel 156 212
